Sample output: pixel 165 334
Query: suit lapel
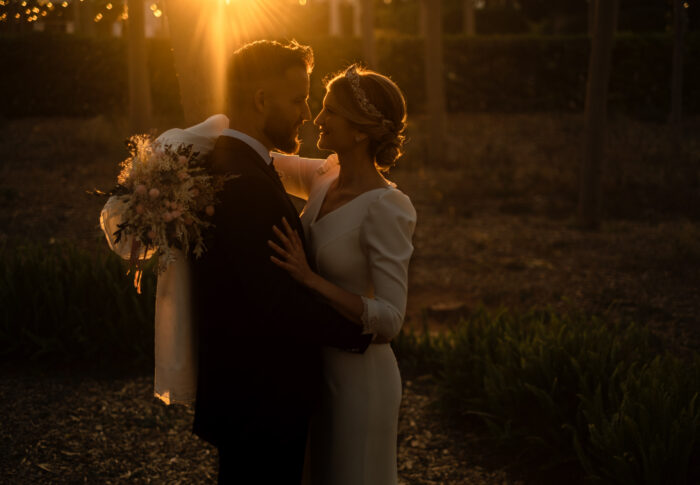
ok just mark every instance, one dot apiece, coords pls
pixel 239 150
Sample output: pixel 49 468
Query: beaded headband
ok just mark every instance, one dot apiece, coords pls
pixel 353 76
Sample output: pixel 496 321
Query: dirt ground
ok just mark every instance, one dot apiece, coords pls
pixel 493 230
pixel 62 428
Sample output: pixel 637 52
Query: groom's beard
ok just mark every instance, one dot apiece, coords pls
pixel 282 134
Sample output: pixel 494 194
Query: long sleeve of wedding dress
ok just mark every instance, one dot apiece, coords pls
pixel 175 379
pixel 386 235
pixel 299 174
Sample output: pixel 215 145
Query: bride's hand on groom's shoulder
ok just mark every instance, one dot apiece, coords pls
pixel 292 257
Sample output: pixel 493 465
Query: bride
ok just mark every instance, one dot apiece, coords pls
pixel 359 227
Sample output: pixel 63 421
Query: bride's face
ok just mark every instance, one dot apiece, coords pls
pixel 336 132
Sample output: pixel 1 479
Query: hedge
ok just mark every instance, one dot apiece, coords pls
pixel 54 75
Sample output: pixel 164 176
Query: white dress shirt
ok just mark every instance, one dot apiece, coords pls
pixel 251 142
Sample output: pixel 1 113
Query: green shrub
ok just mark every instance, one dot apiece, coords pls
pixel 63 304
pixel 566 389
pixel 646 430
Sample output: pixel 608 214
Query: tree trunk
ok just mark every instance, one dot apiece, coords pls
pixel 334 18
pixel 679 29
pixel 434 79
pixel 367 7
pixel 356 18
pixel 590 195
pixel 469 17
pixel 139 85
pixel 591 16
pixel 78 22
pixel 200 48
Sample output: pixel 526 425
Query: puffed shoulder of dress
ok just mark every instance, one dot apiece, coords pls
pixel 390 215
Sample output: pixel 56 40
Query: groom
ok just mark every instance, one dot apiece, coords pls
pixel 260 332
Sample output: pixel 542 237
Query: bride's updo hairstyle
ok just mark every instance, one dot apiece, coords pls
pixel 376 105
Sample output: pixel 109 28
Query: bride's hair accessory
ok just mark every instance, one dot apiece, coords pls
pixel 360 96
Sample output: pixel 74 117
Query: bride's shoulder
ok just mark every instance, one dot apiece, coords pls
pixel 392 203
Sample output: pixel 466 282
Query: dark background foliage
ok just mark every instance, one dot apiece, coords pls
pixel 84 77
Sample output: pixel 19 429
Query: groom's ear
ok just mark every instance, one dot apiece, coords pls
pixel 259 100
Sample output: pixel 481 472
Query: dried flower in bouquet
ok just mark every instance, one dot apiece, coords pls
pixel 167 196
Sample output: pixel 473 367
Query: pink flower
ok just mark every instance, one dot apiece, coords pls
pixel 167 216
pixel 182 160
pixel 154 193
pixel 152 235
pixel 209 210
pixel 140 209
pixel 188 220
pixel 176 214
pixel 194 192
pixel 183 175
pixel 140 189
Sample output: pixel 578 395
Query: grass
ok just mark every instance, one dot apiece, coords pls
pixel 569 390
pixel 63 304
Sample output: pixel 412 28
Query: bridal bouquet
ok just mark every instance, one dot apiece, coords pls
pixel 165 196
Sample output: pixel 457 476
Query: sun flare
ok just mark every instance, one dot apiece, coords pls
pixel 207 32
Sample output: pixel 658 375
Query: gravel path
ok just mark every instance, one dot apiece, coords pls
pixel 67 428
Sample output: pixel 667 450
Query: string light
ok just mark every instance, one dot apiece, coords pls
pixel 64 4
pixel 108 6
pixel 154 7
pixel 98 17
pixel 302 2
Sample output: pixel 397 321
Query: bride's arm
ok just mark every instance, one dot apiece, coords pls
pixel 297 173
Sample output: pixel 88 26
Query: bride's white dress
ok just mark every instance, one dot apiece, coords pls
pixel 364 247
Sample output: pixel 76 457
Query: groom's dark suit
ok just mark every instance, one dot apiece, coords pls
pixel 260 331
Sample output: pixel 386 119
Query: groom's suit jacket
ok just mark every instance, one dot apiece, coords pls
pixel 259 330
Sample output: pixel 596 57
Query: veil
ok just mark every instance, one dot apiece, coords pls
pixel 175 379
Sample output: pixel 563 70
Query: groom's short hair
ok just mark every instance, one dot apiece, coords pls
pixel 261 60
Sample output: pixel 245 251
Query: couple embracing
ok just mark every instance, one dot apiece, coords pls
pixel 296 378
